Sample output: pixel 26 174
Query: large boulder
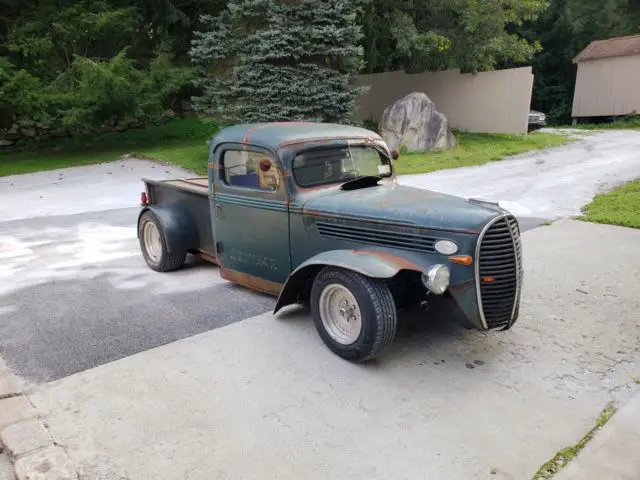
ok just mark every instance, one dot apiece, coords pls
pixel 414 123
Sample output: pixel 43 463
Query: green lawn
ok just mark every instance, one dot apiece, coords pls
pixel 620 206
pixel 183 143
pixel 180 142
pixel 628 123
pixel 477 149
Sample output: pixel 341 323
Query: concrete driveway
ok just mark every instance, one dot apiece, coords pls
pixel 102 340
pixel 264 399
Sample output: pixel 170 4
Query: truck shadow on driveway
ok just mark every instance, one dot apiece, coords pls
pixel 434 342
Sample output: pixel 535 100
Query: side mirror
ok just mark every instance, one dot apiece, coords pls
pixel 395 154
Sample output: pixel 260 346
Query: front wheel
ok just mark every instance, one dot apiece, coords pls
pixel 354 315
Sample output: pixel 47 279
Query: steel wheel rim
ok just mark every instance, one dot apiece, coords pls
pixel 340 314
pixel 152 241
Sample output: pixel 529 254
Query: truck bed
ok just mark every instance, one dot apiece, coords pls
pixel 196 184
pixel 192 197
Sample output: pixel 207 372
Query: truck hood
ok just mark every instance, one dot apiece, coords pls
pixel 398 204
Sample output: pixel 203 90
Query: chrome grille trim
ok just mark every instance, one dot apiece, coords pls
pixel 508 233
pixel 517 246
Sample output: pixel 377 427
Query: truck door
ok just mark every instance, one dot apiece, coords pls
pixel 251 215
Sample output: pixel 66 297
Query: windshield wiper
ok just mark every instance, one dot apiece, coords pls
pixel 365 181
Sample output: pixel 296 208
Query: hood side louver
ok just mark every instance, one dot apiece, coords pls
pixel 407 240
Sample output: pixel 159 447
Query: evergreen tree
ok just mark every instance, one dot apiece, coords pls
pixel 271 60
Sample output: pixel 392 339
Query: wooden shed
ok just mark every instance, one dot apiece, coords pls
pixel 608 79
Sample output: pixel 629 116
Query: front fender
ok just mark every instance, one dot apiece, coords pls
pixel 179 231
pixel 371 263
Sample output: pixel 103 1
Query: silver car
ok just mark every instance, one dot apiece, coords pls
pixel 536 120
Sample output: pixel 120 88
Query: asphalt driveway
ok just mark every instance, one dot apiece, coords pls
pixel 74 289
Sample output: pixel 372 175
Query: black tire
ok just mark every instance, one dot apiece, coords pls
pixel 168 261
pixel 377 309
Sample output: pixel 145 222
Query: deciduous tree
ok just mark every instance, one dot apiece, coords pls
pixel 425 35
pixel 87 62
pixel 563 30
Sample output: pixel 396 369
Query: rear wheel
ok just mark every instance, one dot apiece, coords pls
pixel 354 315
pixel 153 244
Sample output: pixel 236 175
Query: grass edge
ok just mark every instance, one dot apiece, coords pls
pixel 549 469
pixel 430 156
pixel 593 211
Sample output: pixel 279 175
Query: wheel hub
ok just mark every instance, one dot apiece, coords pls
pixel 340 314
pixel 152 241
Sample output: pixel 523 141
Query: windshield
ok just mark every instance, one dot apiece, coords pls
pixel 339 164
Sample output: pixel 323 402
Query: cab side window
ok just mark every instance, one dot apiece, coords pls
pixel 247 169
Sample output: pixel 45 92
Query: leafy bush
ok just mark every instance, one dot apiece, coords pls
pixel 95 92
pixel 20 92
pixel 88 63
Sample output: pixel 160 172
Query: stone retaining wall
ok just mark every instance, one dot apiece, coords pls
pixel 23 133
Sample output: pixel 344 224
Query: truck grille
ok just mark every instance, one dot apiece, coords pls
pixel 499 272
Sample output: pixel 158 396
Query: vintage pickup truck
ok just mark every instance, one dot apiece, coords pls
pixel 312 213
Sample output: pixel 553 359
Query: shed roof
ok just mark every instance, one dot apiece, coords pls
pixel 613 47
pixel 278 134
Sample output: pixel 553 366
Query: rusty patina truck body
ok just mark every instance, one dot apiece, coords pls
pixel 312 213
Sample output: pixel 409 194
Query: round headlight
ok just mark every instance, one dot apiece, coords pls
pixel 437 279
pixel 446 247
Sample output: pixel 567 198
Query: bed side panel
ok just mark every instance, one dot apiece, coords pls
pixel 194 202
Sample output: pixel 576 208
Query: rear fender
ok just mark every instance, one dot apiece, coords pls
pixel 179 231
pixel 371 263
